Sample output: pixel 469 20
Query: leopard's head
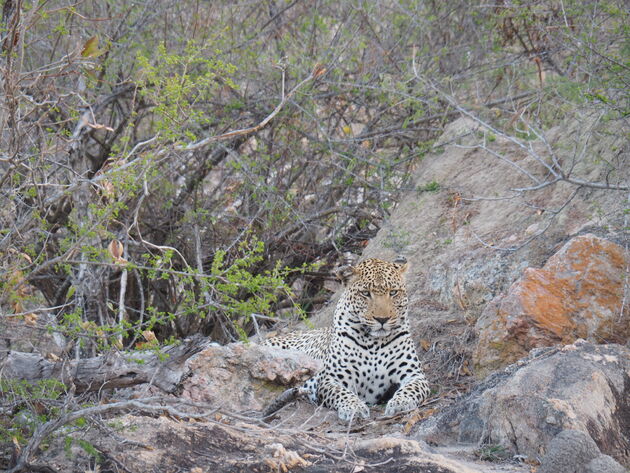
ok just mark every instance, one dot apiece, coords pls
pixel 376 294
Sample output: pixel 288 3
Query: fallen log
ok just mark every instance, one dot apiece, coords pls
pixel 164 368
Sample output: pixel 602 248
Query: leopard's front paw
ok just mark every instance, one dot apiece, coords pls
pixel 352 410
pixel 400 404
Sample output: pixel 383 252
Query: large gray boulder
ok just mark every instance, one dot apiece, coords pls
pixel 583 387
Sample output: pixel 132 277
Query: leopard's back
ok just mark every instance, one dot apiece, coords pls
pixel 312 342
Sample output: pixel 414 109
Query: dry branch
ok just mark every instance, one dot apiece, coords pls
pixel 317 71
pixel 113 370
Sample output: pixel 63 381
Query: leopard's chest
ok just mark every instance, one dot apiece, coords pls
pixel 366 368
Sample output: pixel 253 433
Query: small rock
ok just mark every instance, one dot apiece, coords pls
pixel 282 459
pixel 568 452
pixel 604 463
pixel 31 335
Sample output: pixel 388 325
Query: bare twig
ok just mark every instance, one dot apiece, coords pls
pixel 316 216
pixel 317 72
pixel 537 234
pixel 555 169
pixel 502 158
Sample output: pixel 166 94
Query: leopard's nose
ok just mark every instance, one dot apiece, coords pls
pixel 381 320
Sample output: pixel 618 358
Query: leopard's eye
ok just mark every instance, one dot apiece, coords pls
pixel 393 292
pixel 365 293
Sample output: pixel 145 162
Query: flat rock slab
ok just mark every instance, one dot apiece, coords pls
pixel 167 445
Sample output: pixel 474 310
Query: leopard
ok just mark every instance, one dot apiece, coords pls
pixel 368 355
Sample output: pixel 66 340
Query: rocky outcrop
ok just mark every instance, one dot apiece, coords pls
pixel 245 377
pixel 583 386
pixel 578 293
pixel 495 273
pixel 180 436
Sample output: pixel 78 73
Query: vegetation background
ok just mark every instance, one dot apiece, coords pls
pixel 169 168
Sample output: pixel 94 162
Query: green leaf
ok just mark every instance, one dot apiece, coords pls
pixel 90 48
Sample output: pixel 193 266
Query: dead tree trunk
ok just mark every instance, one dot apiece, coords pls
pixel 164 369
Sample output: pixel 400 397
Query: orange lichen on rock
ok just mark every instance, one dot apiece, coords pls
pixel 579 293
pixel 545 298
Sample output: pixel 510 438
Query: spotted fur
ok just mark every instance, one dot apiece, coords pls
pixel 368 354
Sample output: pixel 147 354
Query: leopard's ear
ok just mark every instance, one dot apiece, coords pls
pixel 401 264
pixel 344 274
